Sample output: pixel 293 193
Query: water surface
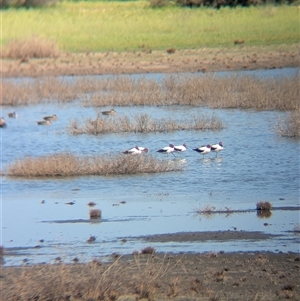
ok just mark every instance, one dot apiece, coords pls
pixel 255 165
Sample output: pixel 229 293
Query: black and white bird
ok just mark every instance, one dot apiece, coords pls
pixel 167 150
pixel 217 147
pixel 203 149
pixel 180 148
pixel 137 150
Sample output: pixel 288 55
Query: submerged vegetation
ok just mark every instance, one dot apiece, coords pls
pixel 243 92
pixel 68 165
pixel 143 123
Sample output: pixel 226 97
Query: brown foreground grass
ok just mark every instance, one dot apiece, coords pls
pixel 209 277
pixel 143 123
pixel 242 92
pixel 68 165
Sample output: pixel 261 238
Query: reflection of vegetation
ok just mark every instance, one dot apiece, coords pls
pixel 66 165
pixel 263 209
pixel 263 214
pixel 289 126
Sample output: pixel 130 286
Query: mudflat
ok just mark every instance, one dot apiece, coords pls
pixel 240 57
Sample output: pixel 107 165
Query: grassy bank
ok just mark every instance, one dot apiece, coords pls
pixel 119 26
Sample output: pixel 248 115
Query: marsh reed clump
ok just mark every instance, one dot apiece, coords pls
pixel 143 123
pixel 263 206
pixel 243 92
pixel 28 48
pixel 69 165
pixel 95 214
pixel 290 125
pixel 207 210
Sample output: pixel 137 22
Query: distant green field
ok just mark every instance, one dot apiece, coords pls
pixel 119 26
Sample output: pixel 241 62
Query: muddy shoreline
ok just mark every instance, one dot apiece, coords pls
pixel 241 57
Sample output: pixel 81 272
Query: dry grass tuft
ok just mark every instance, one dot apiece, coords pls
pixel 67 165
pixel 95 214
pixel 143 123
pixel 206 210
pixel 289 126
pixel 33 47
pixel 263 206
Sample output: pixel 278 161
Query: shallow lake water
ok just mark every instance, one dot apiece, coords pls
pixel 255 165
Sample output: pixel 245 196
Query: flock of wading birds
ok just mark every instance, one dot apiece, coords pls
pixel 137 150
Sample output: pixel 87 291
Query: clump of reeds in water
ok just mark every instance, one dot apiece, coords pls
pixel 290 125
pixel 206 210
pixel 263 206
pixel 263 209
pixel 95 214
pixel 67 165
pixel 143 123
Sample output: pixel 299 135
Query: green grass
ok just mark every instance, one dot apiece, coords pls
pixel 119 26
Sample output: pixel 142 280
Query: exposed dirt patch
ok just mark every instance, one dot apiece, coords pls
pixel 240 57
pixel 235 276
pixel 204 236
